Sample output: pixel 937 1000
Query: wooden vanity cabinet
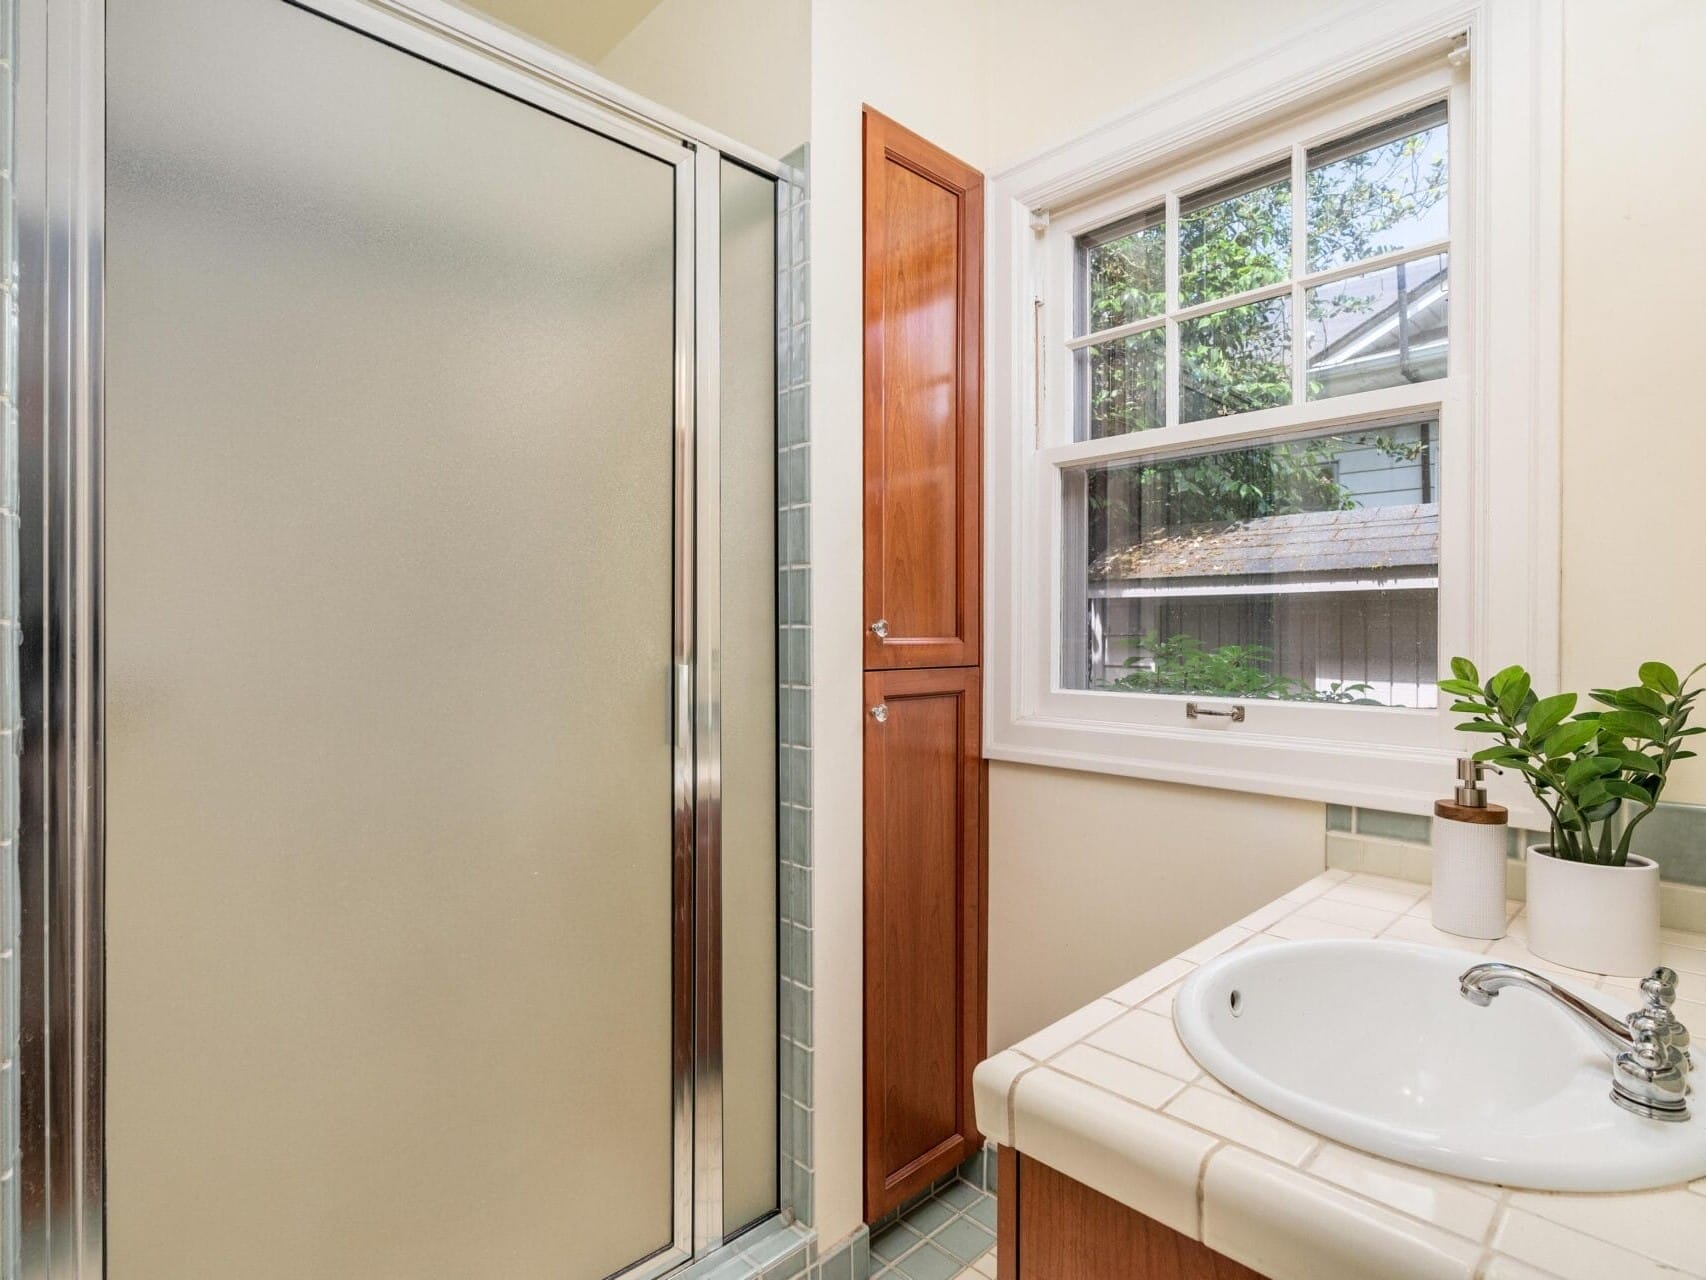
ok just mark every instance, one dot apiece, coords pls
pixel 1050 1227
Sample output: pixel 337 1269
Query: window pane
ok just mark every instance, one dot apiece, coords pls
pixel 1235 360
pixel 1379 329
pixel 1121 385
pixel 1122 272
pixel 1304 571
pixel 1380 191
pixel 1235 237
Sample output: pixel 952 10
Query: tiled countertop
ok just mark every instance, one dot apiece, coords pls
pixel 1109 1096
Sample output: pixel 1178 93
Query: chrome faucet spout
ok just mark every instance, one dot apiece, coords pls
pixel 1480 984
pixel 1649 1052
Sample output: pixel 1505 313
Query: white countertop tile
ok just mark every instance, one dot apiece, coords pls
pixel 1499 1267
pixel 1215 943
pixel 1249 1126
pixel 1301 926
pixel 1147 984
pixel 1130 1081
pixel 1329 908
pixel 1292 1227
pixel 1110 1096
pixel 1463 1208
pixel 992 1091
pixel 1149 1039
pixel 1571 1254
pixel 1069 1030
pixel 1418 929
pixel 1667 1226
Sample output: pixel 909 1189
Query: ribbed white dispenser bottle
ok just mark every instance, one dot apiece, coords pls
pixel 1469 858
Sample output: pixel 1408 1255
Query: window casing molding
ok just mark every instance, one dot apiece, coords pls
pixel 1499 555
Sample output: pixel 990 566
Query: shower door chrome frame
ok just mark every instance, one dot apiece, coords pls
pixel 59 181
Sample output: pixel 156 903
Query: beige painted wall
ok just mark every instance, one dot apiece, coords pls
pixel 742 67
pixel 1054 69
pixel 1093 879
pixel 1634 274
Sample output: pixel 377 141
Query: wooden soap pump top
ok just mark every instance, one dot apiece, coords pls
pixel 1469 802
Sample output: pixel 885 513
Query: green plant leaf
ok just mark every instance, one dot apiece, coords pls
pixel 1503 754
pixel 1462 688
pixel 1546 714
pixel 1633 724
pixel 1569 738
pixel 1480 726
pixel 1515 695
pixel 1647 700
pixel 1500 680
pixel 1627 790
pixel 1587 768
pixel 1660 676
pixel 1468 708
pixel 1464 670
pixel 1637 763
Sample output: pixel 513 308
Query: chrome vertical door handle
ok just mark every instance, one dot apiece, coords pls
pixel 880 628
pixel 880 713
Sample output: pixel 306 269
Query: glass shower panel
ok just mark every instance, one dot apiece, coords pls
pixel 747 380
pixel 388 622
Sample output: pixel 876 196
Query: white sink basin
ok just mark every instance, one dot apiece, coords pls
pixel 1370 1044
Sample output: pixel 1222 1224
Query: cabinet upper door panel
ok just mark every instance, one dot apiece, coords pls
pixel 923 401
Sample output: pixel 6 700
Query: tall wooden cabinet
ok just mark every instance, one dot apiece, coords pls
pixel 925 913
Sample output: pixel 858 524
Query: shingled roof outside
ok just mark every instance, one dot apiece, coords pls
pixel 1315 542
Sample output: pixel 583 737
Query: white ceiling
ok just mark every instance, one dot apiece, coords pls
pixel 586 29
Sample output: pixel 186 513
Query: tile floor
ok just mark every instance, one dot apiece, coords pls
pixel 948 1236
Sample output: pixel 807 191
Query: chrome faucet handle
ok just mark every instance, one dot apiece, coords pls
pixel 1651 1077
pixel 1655 1017
pixel 1659 987
pixel 1651 1080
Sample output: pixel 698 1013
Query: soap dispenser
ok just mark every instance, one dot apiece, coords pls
pixel 1469 858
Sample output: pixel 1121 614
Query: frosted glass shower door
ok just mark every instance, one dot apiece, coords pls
pixel 390 622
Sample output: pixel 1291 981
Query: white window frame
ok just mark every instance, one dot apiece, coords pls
pixel 1497 63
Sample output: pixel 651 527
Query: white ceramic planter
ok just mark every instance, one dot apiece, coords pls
pixel 1601 919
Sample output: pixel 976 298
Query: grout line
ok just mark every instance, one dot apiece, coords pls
pixel 1202 1178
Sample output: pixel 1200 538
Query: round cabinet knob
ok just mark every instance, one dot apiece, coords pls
pixel 880 628
pixel 880 713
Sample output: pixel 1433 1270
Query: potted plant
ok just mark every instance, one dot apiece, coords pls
pixel 1592 903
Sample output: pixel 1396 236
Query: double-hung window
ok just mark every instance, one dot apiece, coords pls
pixel 1242 537
pixel 1250 517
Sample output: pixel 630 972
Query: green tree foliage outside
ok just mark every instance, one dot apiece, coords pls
pixel 1233 361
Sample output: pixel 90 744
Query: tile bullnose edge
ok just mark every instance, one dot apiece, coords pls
pixel 991 1087
pixel 1145 1160
pixel 1286 1225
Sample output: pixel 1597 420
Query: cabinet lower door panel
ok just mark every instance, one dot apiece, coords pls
pixel 923 936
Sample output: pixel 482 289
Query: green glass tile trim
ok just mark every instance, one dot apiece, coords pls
pixel 1339 817
pixel 1384 825
pixel 1674 836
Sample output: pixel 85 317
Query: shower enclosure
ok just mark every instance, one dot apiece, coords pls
pixel 398 585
